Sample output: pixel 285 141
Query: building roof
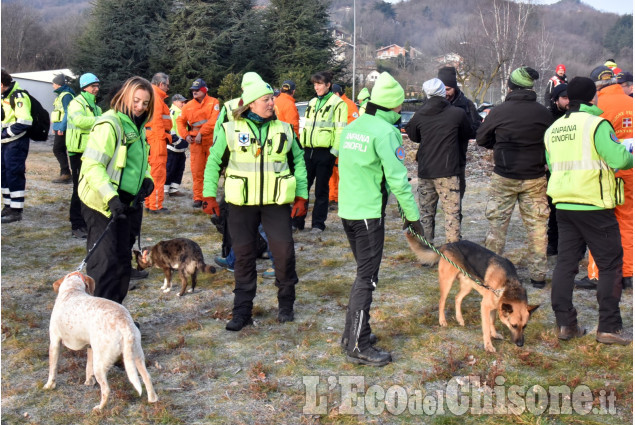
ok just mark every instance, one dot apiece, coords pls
pixel 44 76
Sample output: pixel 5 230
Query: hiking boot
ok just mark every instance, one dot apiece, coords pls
pixel 285 316
pixel 538 283
pixel 63 178
pixel 566 333
pixel 332 205
pixel 316 231
pixel 269 273
pixel 620 337
pixel 11 216
pixel 5 210
pixel 238 322
pixel 586 283
pixel 627 282
pixel 344 341
pixel 79 233
pixel 138 274
pixel 197 204
pixel 369 356
pixel 176 194
pixel 163 210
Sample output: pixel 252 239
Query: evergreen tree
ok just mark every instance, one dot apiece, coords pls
pixel 119 41
pixel 211 38
pixel 620 35
pixel 299 39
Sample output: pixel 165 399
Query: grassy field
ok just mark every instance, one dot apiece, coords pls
pixel 295 373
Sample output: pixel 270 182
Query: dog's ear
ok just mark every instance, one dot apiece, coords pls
pixel 506 309
pixel 532 308
pixel 57 283
pixel 90 285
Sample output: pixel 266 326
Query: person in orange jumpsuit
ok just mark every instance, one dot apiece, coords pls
pixel 353 114
pixel 285 108
pixel 618 109
pixel 196 125
pixel 158 136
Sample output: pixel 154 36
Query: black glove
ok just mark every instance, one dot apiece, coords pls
pixel 147 186
pixel 415 225
pixel 117 209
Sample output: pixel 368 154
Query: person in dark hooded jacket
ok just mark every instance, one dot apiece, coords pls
pixel 442 132
pixel 515 130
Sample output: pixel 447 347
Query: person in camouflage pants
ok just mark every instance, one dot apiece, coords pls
pixel 534 210
pixel 446 189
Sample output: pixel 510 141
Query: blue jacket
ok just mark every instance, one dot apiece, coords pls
pixel 65 101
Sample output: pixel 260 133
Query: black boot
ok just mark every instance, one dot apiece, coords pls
pixel 11 216
pixel 285 315
pixel 360 350
pixel 627 282
pixel 344 341
pixel 238 322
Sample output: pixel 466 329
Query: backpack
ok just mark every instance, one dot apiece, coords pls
pixel 39 130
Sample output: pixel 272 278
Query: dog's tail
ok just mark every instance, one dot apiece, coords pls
pixel 206 268
pixel 129 348
pixel 424 254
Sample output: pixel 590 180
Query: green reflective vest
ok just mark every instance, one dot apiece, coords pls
pixel 578 174
pixel 58 107
pixel 323 126
pixel 81 117
pixel 258 172
pixel 116 158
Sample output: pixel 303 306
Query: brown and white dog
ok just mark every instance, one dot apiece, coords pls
pixel 80 319
pixel 504 294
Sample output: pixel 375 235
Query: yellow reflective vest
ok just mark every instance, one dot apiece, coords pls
pixel 323 125
pixel 578 174
pixel 58 107
pixel 81 117
pixel 258 173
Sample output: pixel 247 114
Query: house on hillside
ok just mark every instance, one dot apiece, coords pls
pixel 394 50
pixel 449 59
pixel 39 84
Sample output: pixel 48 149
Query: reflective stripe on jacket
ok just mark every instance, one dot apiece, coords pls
pixel 324 124
pixel 81 118
pixel 258 172
pixel 116 158
pixel 578 174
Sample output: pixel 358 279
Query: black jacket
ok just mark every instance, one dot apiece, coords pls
pixel 442 132
pixel 460 101
pixel 515 131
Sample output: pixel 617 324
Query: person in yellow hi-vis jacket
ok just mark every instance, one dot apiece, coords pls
pixel 113 181
pixel 264 176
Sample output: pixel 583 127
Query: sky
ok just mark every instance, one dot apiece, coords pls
pixel 621 7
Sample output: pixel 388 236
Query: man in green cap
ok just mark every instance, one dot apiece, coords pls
pixel 515 130
pixel 362 99
pixel 371 167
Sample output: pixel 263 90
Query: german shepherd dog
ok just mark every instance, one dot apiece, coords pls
pixel 180 254
pixel 504 292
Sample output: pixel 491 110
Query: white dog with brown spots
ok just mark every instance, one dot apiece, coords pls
pixel 80 319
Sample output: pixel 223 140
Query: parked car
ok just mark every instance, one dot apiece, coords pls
pixel 301 110
pixel 406 116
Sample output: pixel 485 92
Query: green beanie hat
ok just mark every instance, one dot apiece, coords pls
pixel 254 88
pixel 387 92
pixel 248 78
pixel 363 94
pixel 524 77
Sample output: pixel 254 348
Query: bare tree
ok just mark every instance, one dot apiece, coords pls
pixel 21 35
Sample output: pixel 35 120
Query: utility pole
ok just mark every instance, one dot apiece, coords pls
pixel 354 48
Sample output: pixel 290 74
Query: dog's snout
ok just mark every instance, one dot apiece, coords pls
pixel 520 342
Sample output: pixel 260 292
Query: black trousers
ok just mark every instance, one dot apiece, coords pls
pixel 552 224
pixel 59 150
pixel 366 238
pixel 243 224
pixel 600 231
pixel 110 264
pixel 319 167
pixel 174 167
pixel 75 212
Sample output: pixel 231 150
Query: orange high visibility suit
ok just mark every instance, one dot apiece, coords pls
pixel 618 109
pixel 158 136
pixel 353 114
pixel 286 111
pixel 198 118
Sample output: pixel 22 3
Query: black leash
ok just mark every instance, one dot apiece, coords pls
pixel 92 250
pixel 497 292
